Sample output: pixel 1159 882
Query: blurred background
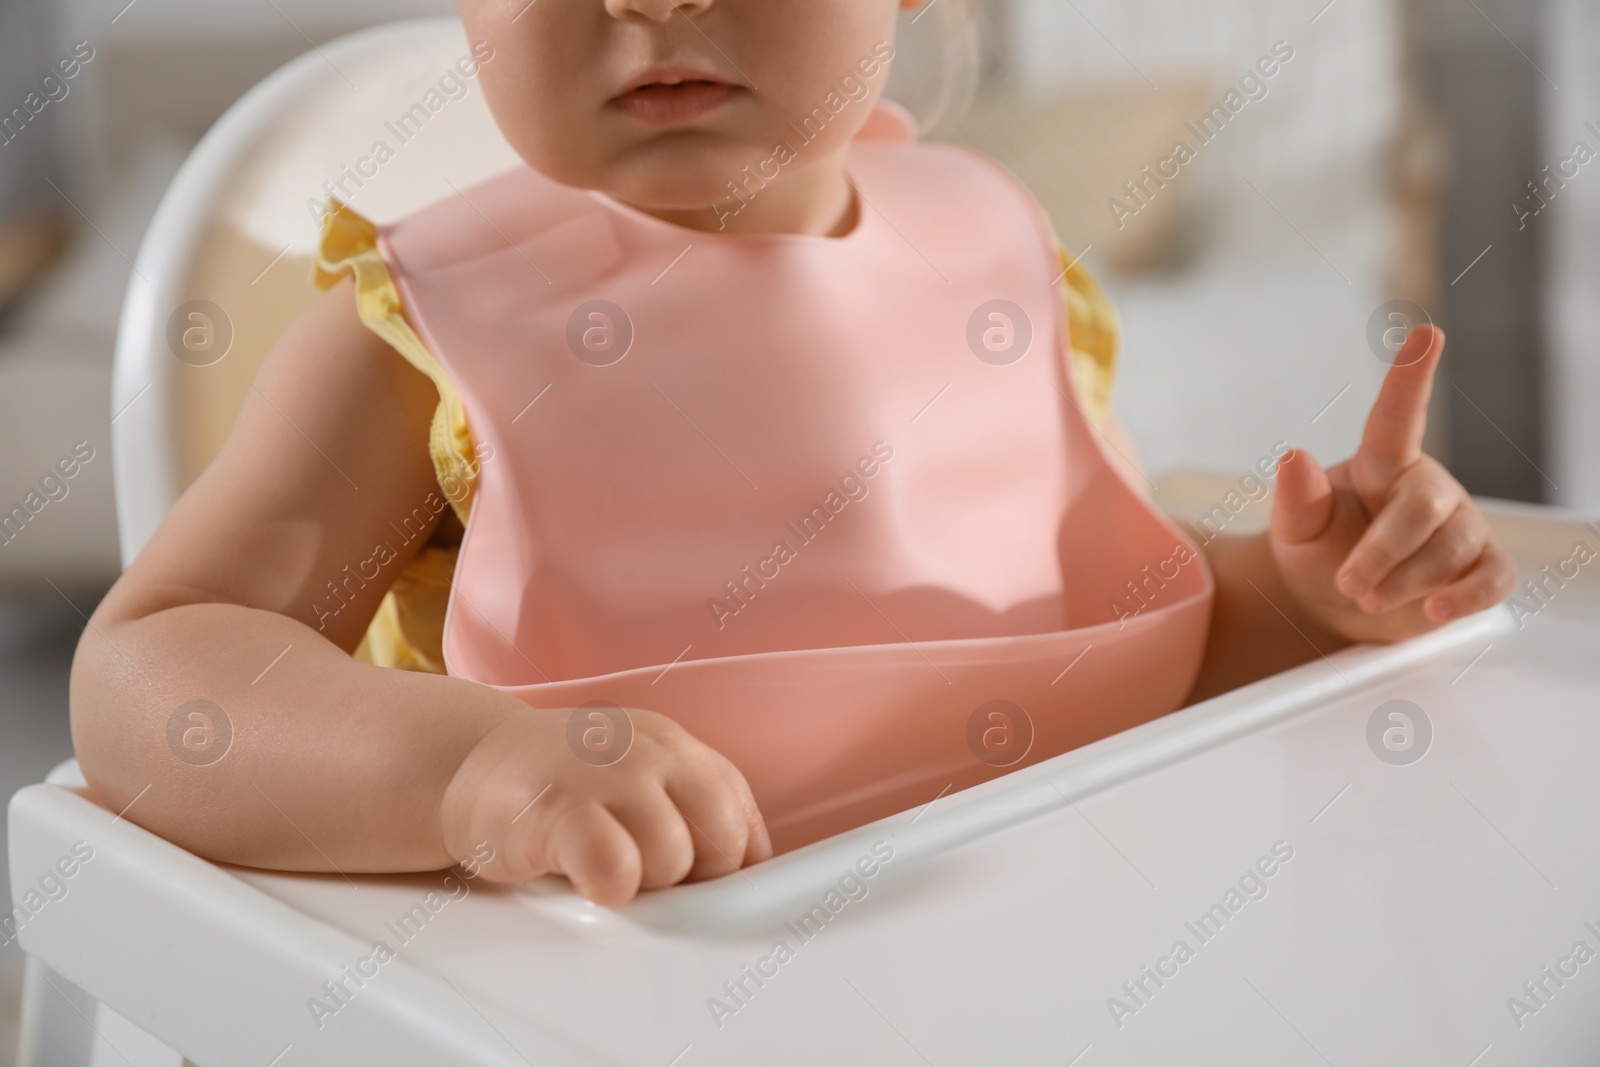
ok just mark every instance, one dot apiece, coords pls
pixel 1425 151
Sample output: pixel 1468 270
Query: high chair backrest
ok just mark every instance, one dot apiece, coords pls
pixel 385 120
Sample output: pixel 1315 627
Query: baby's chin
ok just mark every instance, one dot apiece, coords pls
pixel 678 174
pixel 676 187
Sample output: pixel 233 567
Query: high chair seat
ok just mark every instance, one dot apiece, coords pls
pixel 1380 856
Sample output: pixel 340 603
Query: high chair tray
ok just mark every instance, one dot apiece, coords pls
pixel 1284 875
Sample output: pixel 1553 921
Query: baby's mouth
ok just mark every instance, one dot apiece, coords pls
pixel 664 104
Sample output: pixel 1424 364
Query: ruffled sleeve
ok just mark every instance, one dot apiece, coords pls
pixel 1095 339
pixel 408 630
pixel 350 249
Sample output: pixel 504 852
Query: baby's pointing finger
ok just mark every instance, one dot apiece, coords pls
pixel 1392 440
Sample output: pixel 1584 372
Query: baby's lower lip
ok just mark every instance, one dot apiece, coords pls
pixel 666 105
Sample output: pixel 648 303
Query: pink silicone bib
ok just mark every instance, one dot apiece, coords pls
pixel 830 503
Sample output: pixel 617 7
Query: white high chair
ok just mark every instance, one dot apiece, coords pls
pixel 1031 920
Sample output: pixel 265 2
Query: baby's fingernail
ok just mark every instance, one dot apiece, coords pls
pixel 1372 605
pixel 1441 609
pixel 1350 584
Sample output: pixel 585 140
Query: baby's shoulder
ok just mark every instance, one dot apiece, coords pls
pixel 330 352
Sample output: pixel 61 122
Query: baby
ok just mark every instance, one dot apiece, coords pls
pixel 736 471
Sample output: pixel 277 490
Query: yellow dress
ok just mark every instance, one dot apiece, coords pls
pixel 408 630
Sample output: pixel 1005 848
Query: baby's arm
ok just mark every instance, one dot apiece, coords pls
pixel 335 764
pixel 1257 627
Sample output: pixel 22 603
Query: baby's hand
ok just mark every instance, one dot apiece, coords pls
pixel 523 804
pixel 1387 545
